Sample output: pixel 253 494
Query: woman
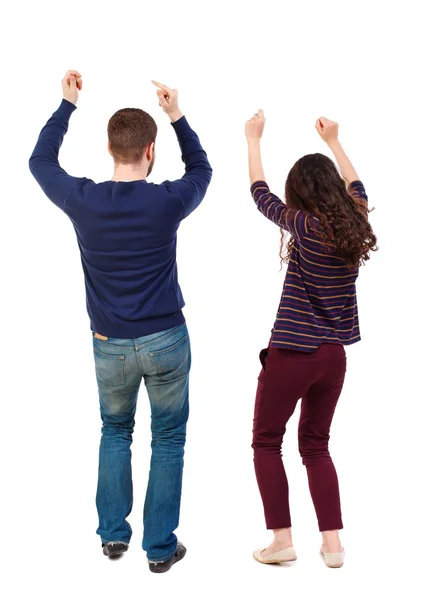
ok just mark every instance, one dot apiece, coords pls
pixel 326 216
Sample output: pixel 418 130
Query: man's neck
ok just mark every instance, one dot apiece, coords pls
pixel 130 172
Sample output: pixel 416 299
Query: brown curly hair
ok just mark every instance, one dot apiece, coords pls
pixel 315 185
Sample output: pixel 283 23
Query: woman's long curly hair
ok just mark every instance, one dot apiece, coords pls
pixel 315 185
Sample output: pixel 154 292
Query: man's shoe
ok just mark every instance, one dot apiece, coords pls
pixel 113 549
pixel 162 567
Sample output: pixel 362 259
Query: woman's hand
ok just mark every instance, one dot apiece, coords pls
pixel 328 130
pixel 254 128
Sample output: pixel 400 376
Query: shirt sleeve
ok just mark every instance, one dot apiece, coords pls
pixel 44 162
pixel 357 191
pixel 192 187
pixel 292 220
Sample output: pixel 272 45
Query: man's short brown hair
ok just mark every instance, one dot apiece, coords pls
pixel 130 132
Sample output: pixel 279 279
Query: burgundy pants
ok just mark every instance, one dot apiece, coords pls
pixel 287 376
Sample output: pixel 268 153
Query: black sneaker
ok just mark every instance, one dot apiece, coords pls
pixel 162 567
pixel 114 549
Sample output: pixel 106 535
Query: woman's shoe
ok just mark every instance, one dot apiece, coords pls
pixel 286 555
pixel 334 560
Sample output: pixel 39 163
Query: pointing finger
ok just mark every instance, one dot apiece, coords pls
pixel 161 86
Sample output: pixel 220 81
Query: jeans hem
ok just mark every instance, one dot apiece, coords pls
pixel 115 542
pixel 161 560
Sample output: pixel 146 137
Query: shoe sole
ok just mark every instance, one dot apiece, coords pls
pixel 114 554
pixel 163 570
pixel 274 562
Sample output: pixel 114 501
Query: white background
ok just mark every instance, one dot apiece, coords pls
pixel 353 62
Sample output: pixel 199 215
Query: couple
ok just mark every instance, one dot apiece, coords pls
pixel 127 231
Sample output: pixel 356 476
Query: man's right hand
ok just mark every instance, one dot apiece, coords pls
pixel 169 101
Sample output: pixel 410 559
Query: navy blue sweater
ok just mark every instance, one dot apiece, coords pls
pixel 126 231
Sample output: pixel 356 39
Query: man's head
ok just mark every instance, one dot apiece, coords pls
pixel 131 137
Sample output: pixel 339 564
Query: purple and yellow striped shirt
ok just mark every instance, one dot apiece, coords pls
pixel 318 304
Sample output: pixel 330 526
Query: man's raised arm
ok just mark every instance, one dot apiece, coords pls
pixel 44 161
pixel 198 172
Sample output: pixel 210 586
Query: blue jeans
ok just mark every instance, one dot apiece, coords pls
pixel 163 360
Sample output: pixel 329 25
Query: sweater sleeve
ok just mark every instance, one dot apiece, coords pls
pixel 357 191
pixel 292 220
pixel 44 162
pixel 198 172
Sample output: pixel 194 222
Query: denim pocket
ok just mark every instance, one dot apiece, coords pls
pixel 109 368
pixel 172 362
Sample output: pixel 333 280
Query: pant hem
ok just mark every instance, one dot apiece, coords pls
pixel 285 526
pixel 161 560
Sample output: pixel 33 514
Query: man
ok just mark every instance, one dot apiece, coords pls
pixel 126 230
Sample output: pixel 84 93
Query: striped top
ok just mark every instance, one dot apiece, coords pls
pixel 318 304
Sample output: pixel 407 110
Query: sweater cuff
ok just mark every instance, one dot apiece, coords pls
pixel 65 109
pixel 181 127
pixel 259 184
pixel 355 184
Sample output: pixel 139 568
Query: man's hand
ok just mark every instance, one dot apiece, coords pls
pixel 169 101
pixel 328 130
pixel 254 128
pixel 72 84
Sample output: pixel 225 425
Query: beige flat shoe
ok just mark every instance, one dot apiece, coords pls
pixel 286 555
pixel 334 560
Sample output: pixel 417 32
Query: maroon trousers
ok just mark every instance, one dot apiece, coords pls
pixel 287 376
